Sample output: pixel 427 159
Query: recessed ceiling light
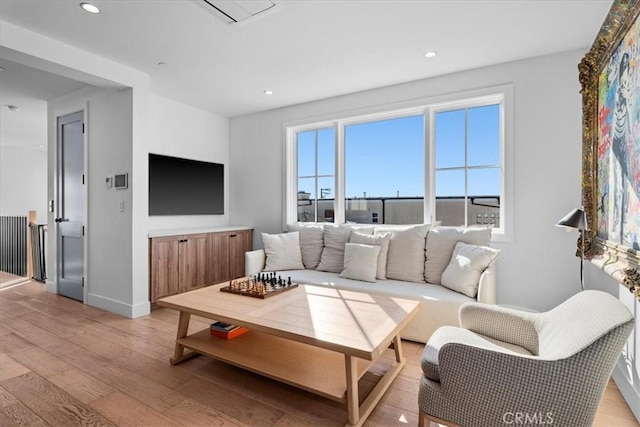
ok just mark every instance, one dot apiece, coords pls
pixel 88 7
pixel 162 64
pixel 268 92
pixel 12 107
pixel 1 68
pixel 430 54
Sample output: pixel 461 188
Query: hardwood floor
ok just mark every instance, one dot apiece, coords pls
pixel 8 279
pixel 63 363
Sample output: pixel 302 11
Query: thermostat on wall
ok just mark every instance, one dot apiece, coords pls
pixel 121 181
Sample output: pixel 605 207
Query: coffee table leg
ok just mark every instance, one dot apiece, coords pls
pixel 183 328
pixel 397 348
pixel 353 405
pixel 357 414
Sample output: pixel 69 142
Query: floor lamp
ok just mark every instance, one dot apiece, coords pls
pixel 577 219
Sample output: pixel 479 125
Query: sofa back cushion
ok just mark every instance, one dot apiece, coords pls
pixel 440 244
pixel 466 266
pixel 311 242
pixel 282 251
pixel 381 240
pixel 406 259
pixel 360 262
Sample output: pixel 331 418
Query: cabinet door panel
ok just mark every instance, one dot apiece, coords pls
pixel 193 261
pixel 218 258
pixel 239 243
pixel 163 273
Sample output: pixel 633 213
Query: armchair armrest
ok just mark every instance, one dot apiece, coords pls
pixel 501 323
pixel 254 262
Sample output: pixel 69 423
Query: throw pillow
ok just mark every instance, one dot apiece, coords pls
pixel 405 258
pixel 335 237
pixel 381 240
pixel 360 262
pixel 311 242
pixel 466 266
pixel 440 244
pixel 282 251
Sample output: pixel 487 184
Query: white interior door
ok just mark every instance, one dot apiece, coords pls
pixel 70 213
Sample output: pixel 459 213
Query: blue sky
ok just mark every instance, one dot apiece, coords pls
pixel 386 158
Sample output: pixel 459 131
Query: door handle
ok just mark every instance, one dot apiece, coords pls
pixel 61 220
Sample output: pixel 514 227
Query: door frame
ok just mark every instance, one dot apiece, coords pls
pixel 54 192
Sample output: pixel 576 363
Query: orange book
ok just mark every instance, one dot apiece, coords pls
pixel 230 334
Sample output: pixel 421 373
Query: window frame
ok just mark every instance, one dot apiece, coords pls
pixel 502 94
pixel 497 99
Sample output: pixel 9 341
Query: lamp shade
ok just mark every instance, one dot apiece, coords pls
pixel 574 219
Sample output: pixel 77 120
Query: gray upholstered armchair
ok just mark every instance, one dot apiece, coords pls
pixel 505 366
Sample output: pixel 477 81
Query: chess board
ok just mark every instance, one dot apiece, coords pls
pixel 258 286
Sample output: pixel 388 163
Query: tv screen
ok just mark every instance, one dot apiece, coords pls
pixel 185 187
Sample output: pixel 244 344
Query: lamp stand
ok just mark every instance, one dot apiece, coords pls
pixel 582 259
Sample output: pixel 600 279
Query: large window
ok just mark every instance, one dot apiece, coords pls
pixel 441 163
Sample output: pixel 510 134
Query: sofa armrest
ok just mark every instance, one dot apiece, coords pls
pixel 501 323
pixel 254 262
pixel 487 285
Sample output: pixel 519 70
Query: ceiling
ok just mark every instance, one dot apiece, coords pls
pixel 303 50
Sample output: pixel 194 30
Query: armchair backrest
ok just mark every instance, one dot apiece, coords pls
pixel 578 322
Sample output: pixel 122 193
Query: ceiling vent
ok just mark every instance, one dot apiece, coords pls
pixel 235 11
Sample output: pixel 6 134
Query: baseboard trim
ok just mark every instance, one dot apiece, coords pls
pixel 630 394
pixel 119 307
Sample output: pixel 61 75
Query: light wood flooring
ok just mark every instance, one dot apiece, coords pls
pixel 8 279
pixel 63 363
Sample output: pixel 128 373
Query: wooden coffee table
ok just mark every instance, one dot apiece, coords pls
pixel 320 339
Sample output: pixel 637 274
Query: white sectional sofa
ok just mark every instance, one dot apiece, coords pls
pixel 416 257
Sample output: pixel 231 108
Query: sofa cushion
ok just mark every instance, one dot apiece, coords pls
pixel 282 251
pixel 381 240
pixel 395 288
pixel 311 242
pixel 360 262
pixel 335 237
pixel 466 266
pixel 440 244
pixel 405 259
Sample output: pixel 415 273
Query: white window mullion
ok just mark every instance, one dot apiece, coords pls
pixel 430 163
pixel 339 201
pixel 466 167
pixel 315 174
pixel 291 178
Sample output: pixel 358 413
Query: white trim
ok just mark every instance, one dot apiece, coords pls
pixel 119 307
pixel 339 202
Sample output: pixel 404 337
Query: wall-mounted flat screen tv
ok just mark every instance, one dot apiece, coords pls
pixel 185 187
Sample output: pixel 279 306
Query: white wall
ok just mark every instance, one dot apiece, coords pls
pixel 23 165
pixel 23 181
pixel 537 269
pixel 108 237
pixel 179 130
pixel 124 287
